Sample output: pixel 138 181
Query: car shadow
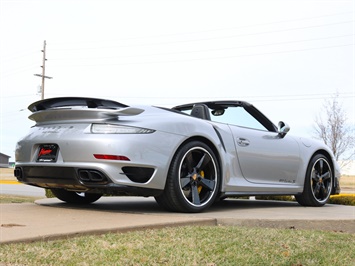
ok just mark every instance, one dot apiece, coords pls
pixel 149 206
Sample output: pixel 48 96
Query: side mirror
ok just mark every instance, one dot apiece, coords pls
pixel 283 129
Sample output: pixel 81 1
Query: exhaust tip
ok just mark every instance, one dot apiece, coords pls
pixel 92 176
pixel 18 173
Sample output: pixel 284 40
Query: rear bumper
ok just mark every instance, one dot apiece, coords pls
pixel 336 188
pixel 337 174
pixel 77 179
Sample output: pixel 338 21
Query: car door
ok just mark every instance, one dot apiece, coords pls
pixel 264 155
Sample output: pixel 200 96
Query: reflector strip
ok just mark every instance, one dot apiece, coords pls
pixel 111 157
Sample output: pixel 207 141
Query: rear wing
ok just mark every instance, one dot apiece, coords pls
pixel 74 101
pixel 78 108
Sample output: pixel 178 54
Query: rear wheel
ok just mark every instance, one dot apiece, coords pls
pixel 318 183
pixel 75 197
pixel 193 180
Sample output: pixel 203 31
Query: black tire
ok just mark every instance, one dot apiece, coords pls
pixel 75 197
pixel 318 182
pixel 193 179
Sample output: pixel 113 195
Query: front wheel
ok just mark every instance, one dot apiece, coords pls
pixel 318 182
pixel 193 179
pixel 75 197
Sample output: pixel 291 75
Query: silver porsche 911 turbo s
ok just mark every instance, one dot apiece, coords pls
pixel 187 157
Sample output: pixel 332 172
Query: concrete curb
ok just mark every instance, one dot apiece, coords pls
pixel 49 237
pixel 50 219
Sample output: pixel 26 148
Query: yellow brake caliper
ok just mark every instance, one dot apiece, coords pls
pixel 202 174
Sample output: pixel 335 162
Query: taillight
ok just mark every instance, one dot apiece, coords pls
pixel 118 129
pixel 111 157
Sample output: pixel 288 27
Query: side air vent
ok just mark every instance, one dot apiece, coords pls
pixel 88 176
pixel 138 174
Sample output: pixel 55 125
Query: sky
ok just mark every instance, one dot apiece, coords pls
pixel 285 57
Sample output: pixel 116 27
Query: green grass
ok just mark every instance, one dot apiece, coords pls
pixel 16 199
pixel 193 245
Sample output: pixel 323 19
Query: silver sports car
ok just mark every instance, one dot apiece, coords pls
pixel 187 157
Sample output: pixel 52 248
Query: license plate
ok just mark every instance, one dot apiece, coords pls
pixel 47 153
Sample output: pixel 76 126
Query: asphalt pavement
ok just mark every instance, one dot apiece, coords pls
pixel 48 219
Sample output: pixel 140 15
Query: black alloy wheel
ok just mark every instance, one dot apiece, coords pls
pixel 318 183
pixel 193 180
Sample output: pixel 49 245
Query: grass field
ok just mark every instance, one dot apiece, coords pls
pixel 16 199
pixel 191 245
pixel 7 174
pixel 348 182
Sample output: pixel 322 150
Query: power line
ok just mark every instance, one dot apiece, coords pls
pixel 207 38
pixel 18 70
pixel 17 96
pixel 210 30
pixel 212 58
pixel 16 57
pixel 209 50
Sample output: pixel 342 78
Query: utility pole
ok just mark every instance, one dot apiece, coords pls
pixel 43 76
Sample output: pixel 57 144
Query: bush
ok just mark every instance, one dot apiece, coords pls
pixel 343 199
pixel 278 198
pixel 49 193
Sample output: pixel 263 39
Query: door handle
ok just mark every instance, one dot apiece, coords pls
pixel 243 142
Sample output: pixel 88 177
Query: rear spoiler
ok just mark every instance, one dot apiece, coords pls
pixel 65 109
pixel 74 101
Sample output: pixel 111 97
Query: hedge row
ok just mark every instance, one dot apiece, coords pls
pixel 342 199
